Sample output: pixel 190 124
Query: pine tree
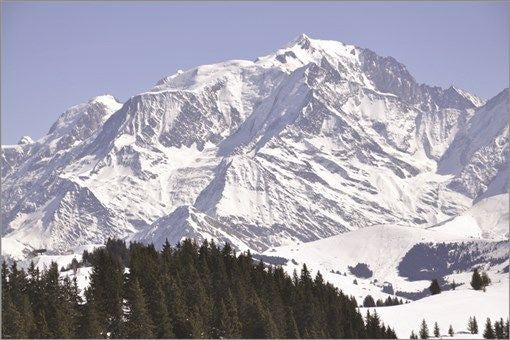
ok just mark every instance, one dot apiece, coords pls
pixel 89 322
pixel 27 317
pixel 291 329
pixel 42 326
pixel 424 330
pixel 235 326
pixel 475 326
pixel 488 333
pixel 139 324
pixel 12 322
pixel 434 287
pixel 106 283
pixel 164 327
pixel 368 301
pixel 485 280
pixel 171 293
pixel 476 280
pixel 450 331
pixel 436 330
pixel 498 329
pixel 413 336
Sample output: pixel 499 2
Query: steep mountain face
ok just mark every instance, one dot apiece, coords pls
pixel 478 157
pixel 311 141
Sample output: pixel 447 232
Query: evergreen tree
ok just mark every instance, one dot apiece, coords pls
pixel 475 326
pixel 413 336
pixel 291 329
pixel 450 331
pixel 42 326
pixel 498 329
pixel 476 280
pixel 434 287
pixel 27 317
pixel 189 291
pixel 164 327
pixel 424 330
pixel 139 324
pixel 106 284
pixel 436 330
pixel 12 321
pixel 89 321
pixel 368 301
pixel 485 280
pixel 488 333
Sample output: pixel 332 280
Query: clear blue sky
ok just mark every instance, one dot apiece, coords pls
pixel 57 54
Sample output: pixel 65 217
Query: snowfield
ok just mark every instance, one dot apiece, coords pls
pixel 449 308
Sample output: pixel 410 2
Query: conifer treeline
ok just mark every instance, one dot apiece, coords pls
pixel 190 291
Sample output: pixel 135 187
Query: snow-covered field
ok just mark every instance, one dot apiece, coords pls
pixel 450 308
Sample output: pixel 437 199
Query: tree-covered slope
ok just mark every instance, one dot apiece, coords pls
pixel 190 291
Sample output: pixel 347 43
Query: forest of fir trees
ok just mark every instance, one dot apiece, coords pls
pixel 187 291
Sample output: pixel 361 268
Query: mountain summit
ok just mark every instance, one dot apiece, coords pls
pixel 313 140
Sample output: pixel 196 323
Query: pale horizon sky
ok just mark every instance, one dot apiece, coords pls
pixel 58 54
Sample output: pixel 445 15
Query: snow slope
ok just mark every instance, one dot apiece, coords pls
pixel 316 139
pixel 449 308
pixel 387 250
pixel 488 218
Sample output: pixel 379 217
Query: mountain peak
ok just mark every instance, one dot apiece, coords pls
pixel 302 40
pixel 25 140
pixel 476 101
pixel 105 99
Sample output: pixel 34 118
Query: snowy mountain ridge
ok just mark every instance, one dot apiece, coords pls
pixel 316 139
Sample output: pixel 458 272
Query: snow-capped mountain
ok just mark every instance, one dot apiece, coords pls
pixel 316 139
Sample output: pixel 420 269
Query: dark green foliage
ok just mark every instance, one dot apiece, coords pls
pixel 473 325
pixel 369 301
pixel 424 330
pixel 187 291
pixel 380 303
pixel 139 324
pixel 89 320
pixel 436 330
pixel 499 329
pixel 476 280
pixel 485 280
pixel 488 333
pixel 434 287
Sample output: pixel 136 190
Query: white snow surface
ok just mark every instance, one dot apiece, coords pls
pixel 488 218
pixel 449 308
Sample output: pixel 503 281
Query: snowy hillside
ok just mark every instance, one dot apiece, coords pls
pixel 449 308
pixel 314 140
pixel 387 250
pixel 488 219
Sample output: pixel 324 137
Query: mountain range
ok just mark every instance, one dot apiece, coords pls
pixel 314 140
